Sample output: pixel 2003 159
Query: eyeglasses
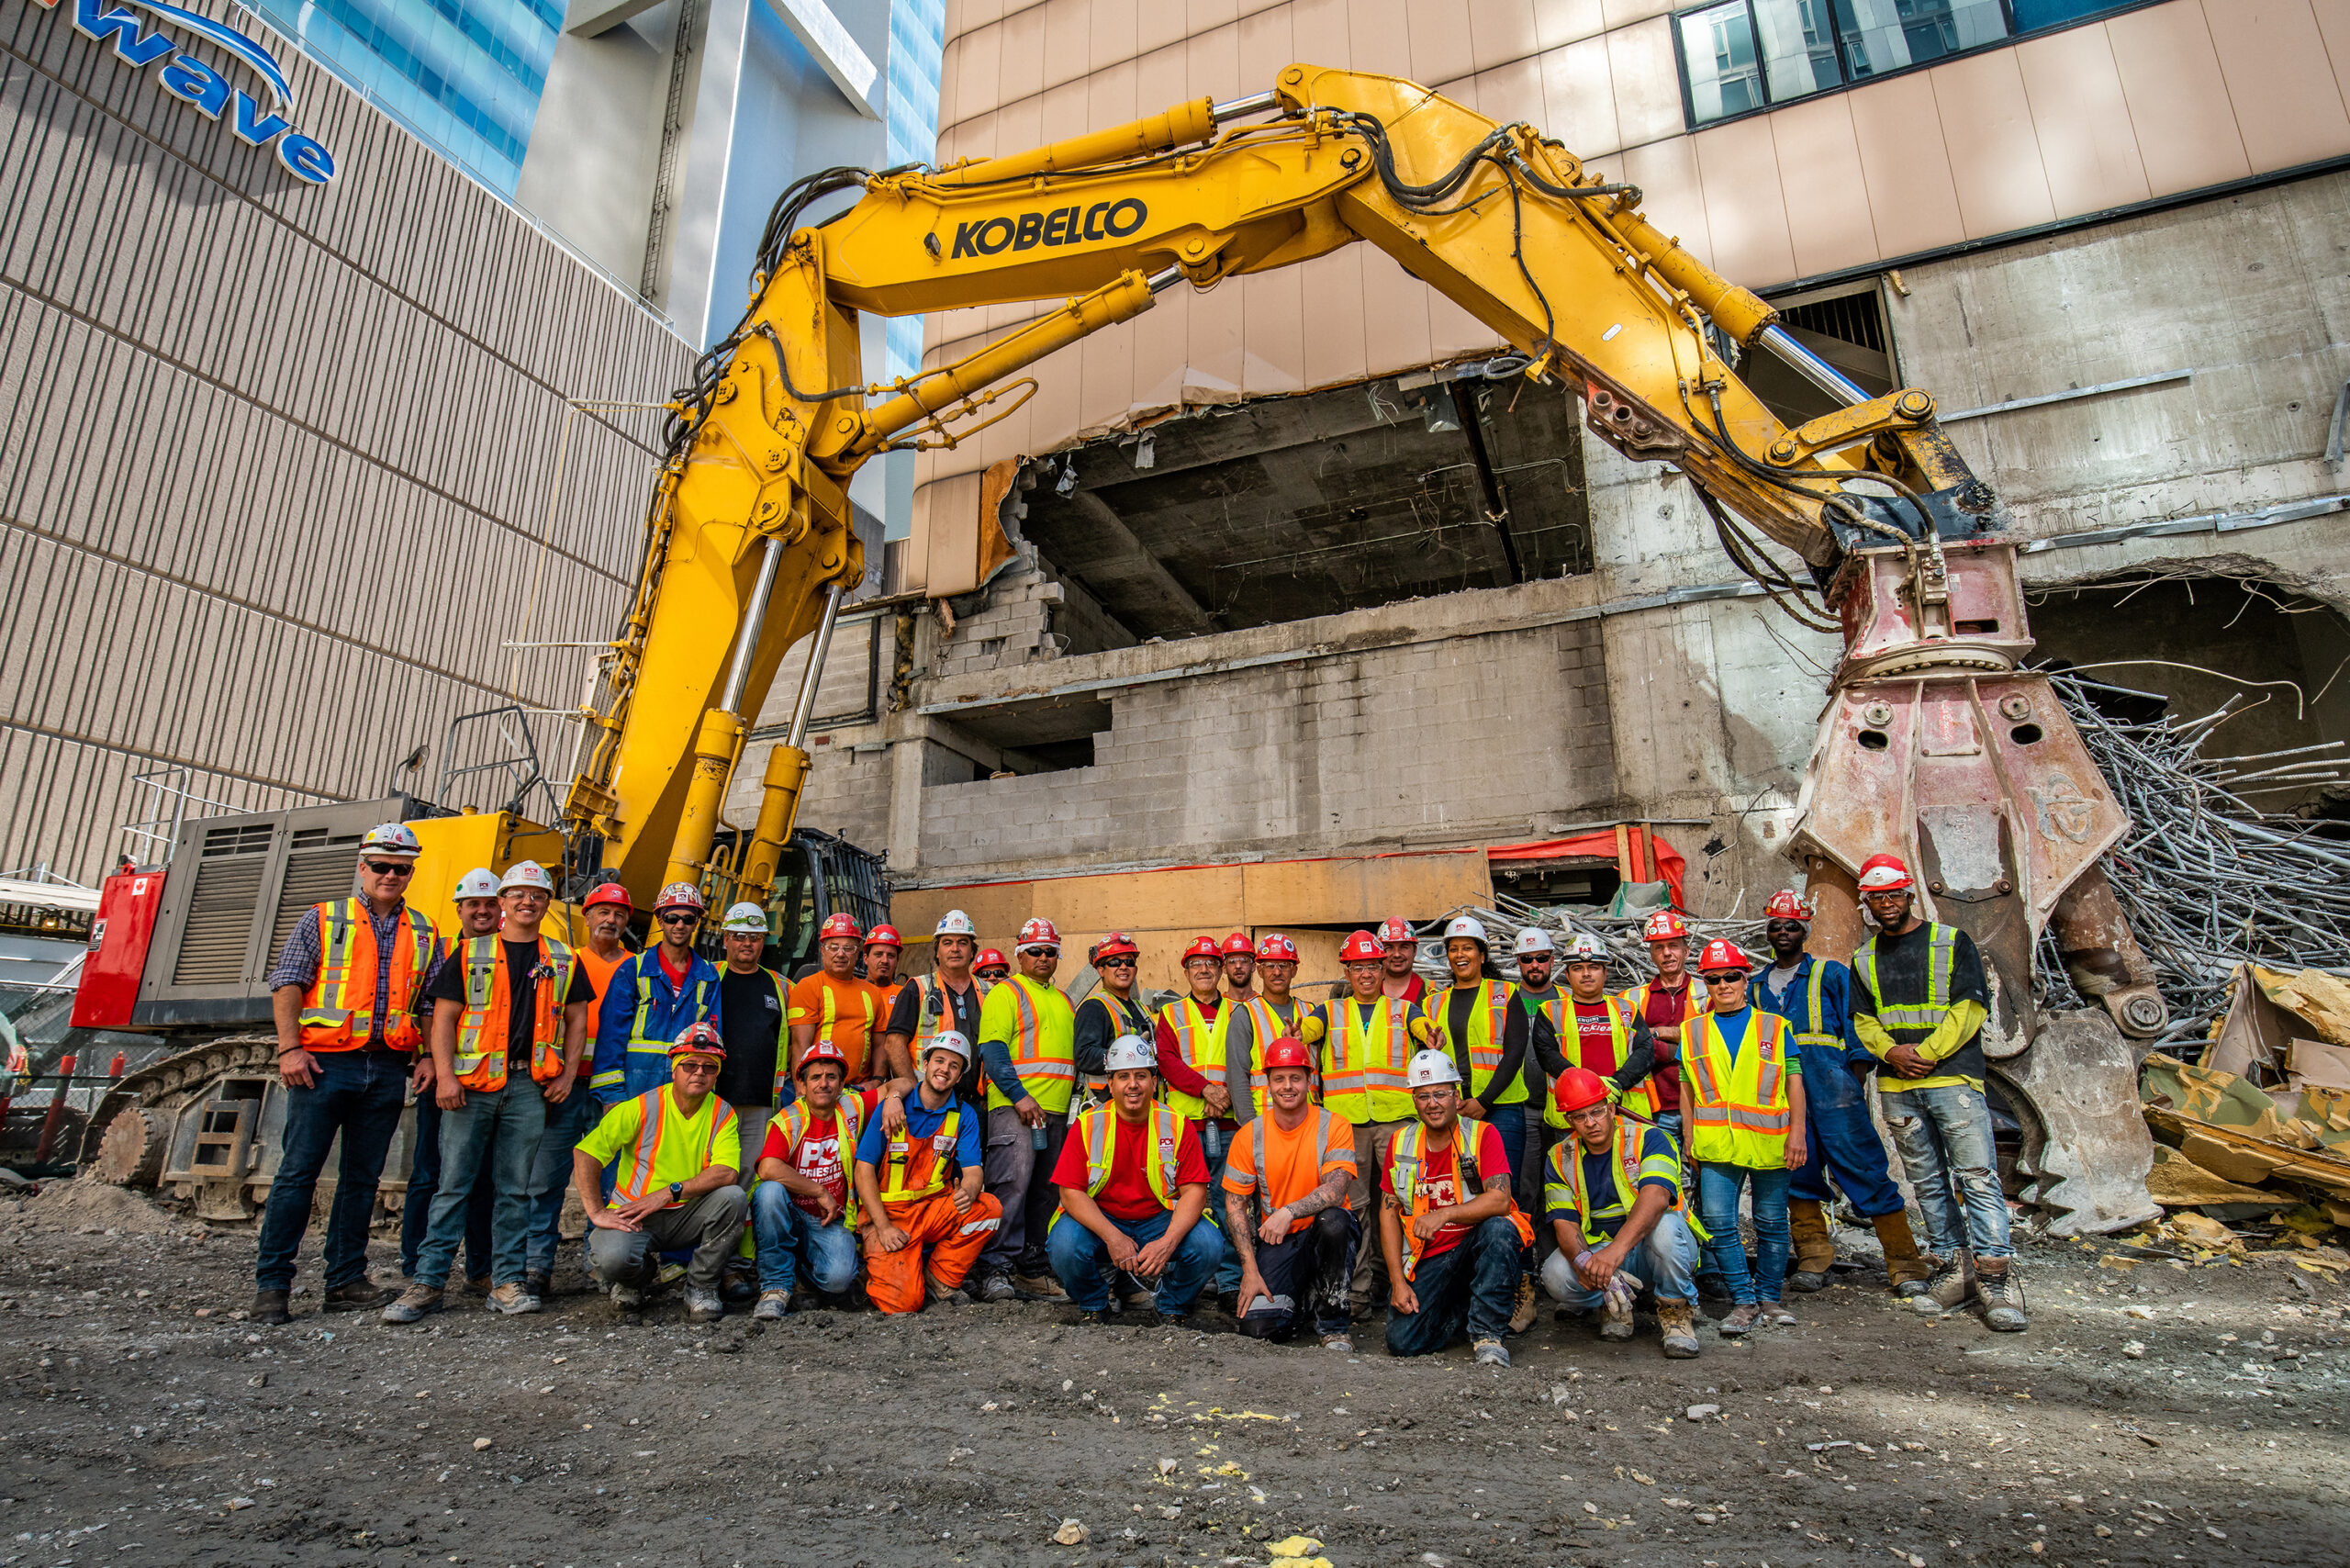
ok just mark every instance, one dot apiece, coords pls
pixel 679 917
pixel 691 1066
pixel 391 868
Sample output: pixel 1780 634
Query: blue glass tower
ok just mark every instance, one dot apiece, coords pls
pixel 464 76
pixel 917 41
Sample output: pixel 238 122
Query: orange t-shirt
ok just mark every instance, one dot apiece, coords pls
pixel 857 1015
pixel 1294 1162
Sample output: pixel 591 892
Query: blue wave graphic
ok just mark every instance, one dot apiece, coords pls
pixel 236 43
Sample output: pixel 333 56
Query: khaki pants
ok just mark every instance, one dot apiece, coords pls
pixel 1371 1139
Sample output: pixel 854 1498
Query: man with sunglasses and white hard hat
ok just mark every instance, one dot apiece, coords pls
pixel 605 911
pixel 674 1151
pixel 653 998
pixel 1450 1231
pixel 477 915
pixel 344 994
pixel 510 1026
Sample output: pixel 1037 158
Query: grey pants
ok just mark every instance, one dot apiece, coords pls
pixel 1371 1139
pixel 711 1225
pixel 1020 1177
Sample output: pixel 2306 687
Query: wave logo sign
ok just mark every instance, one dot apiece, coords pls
pixel 190 80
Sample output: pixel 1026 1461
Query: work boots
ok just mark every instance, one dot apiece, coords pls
pixel 1952 1287
pixel 1906 1269
pixel 1815 1246
pixel 270 1309
pixel 414 1304
pixel 2001 1290
pixel 1528 1305
pixel 1678 1320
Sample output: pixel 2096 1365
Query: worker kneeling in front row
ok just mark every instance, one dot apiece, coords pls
pixel 1611 1189
pixel 676 1148
pixel 921 1239
pixel 803 1210
pixel 1133 1186
pixel 1449 1228
pixel 1285 1185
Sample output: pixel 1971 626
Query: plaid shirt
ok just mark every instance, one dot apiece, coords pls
pixel 299 960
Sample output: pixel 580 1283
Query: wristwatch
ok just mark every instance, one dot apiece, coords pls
pixel 677 1192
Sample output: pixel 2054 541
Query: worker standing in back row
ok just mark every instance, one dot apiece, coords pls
pixel 1372 1039
pixel 1666 1004
pixel 1113 1010
pixel 606 912
pixel 1193 1037
pixel 477 915
pixel 950 999
pixel 883 949
pixel 1741 1093
pixel 1239 967
pixel 1027 1044
pixel 1400 950
pixel 1814 995
pixel 1920 1000
pixel 653 998
pixel 344 994
pixel 1476 1020
pixel 835 1003
pixel 1257 1021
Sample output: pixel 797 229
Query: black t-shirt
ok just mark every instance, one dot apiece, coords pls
pixel 752 1025
pixel 521 992
pixel 1461 1004
pixel 965 1004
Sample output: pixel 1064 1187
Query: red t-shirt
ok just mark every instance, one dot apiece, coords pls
pixel 1596 1039
pixel 1439 1178
pixel 1665 1009
pixel 818 1155
pixel 1128 1195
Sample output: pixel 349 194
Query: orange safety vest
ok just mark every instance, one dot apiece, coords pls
pixel 849 1117
pixel 912 1172
pixel 871 1055
pixel 340 1011
pixel 482 1028
pixel 663 1121
pixel 1363 1065
pixel 1405 1158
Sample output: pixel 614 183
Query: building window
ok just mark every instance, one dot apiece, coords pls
pixel 1739 56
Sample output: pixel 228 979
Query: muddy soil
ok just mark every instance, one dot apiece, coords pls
pixel 2154 1415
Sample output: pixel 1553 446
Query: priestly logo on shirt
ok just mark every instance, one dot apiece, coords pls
pixel 192 80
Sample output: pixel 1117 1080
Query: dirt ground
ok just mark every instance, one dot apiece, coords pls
pixel 2154 1413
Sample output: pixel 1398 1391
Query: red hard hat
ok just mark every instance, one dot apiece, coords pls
pixel 1883 874
pixel 1276 947
pixel 1362 947
pixel 1202 947
pixel 842 924
pixel 1578 1087
pixel 990 958
pixel 1288 1051
pixel 1663 926
pixel 701 1039
pixel 884 936
pixel 823 1050
pixel 1786 904
pixel 679 895
pixel 1395 928
pixel 1117 944
pixel 608 892
pixel 1040 933
pixel 1239 944
pixel 1721 954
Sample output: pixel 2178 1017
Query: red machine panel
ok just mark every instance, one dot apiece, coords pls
pixel 117 956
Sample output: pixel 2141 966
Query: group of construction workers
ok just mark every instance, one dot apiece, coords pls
pixel 1456 1151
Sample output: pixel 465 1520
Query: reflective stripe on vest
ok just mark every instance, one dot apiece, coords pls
pixel 848 1119
pixel 638 1041
pixel 1363 1081
pixel 1101 1130
pixel 1738 1112
pixel 1637 1101
pixel 1566 1160
pixel 483 1028
pixel 339 1011
pixel 1404 1161
pixel 1028 1059
pixel 1199 1041
pixel 909 1174
pixel 1488 1024
pixel 1941 960
pixel 662 1120
pixel 1265 1027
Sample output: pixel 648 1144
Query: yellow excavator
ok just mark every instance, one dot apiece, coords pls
pixel 1936 743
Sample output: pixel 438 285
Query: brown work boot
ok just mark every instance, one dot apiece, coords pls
pixel 1741 1321
pixel 414 1303
pixel 1678 1320
pixel 1815 1245
pixel 362 1295
pixel 1906 1269
pixel 270 1309
pixel 1952 1287
pixel 1528 1304
pixel 1997 1282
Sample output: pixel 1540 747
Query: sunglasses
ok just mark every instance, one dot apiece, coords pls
pixel 1116 964
pixel 682 917
pixel 1724 979
pixel 391 868
pixel 697 1067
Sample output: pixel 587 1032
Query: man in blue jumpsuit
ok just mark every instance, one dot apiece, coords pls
pixel 653 998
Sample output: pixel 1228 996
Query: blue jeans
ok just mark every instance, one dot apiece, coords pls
pixel 1944 1137
pixel 1666 1260
pixel 423 1180
pixel 1472 1286
pixel 551 1175
pixel 790 1238
pixel 358 1095
pixel 1508 1122
pixel 1228 1268
pixel 495 1134
pixel 1841 1140
pixel 1079 1258
pixel 1717 1191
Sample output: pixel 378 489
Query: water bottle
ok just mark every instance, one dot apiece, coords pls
pixel 1036 1138
pixel 1211 1140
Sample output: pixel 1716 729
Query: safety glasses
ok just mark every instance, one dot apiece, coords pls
pixel 391 868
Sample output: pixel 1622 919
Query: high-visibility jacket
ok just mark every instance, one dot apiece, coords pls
pixel 914 1169
pixel 1488 1021
pixel 1363 1061
pixel 1267 1025
pixel 658 1150
pixel 1041 1040
pixel 1809 1016
pixel 340 1011
pixel 1101 1129
pixel 1405 1157
pixel 641 1017
pixel 1636 1100
pixel 484 1025
pixel 1912 1022
pixel 1738 1112
pixel 848 1119
pixel 1565 1185
pixel 1199 1040
pixel 1127 1016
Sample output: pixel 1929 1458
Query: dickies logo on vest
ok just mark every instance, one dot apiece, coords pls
pixel 1053 227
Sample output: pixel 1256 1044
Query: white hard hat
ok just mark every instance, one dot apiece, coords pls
pixel 948 1040
pixel 955 922
pixel 391 839
pixel 1129 1052
pixel 1583 948
pixel 745 917
pixel 480 882
pixel 1468 926
pixel 1430 1068
pixel 1534 939
pixel 526 874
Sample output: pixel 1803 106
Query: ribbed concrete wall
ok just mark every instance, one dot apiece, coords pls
pixel 280 467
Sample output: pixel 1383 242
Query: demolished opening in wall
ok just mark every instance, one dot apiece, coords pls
pixel 1844 325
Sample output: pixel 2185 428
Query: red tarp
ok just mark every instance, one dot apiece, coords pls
pixel 1601 844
